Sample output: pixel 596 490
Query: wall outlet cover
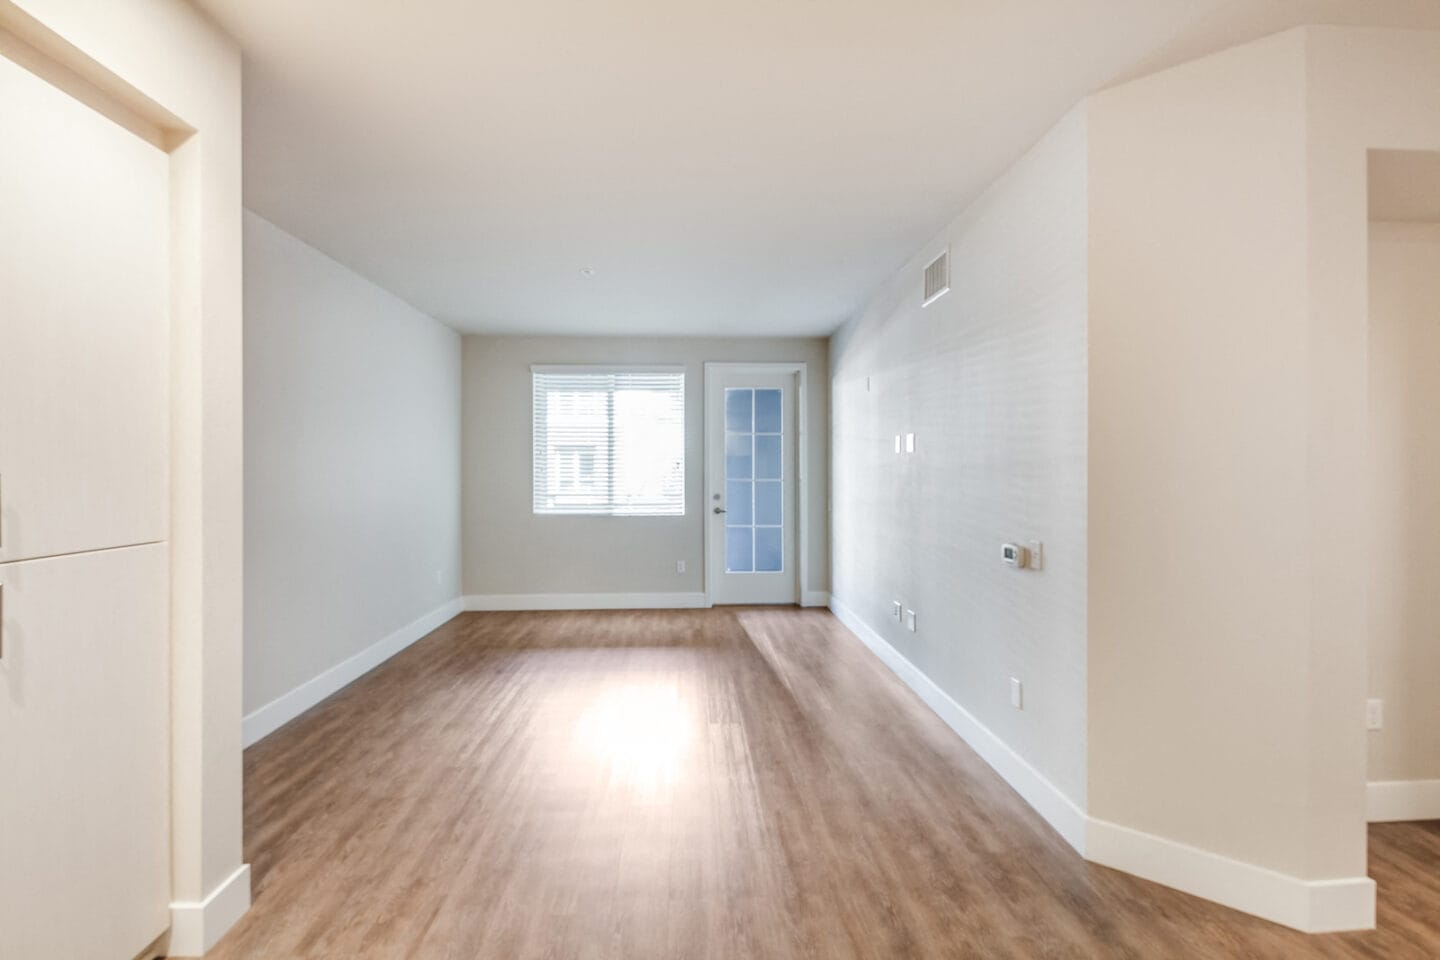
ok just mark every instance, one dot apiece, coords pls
pixel 1017 694
pixel 910 620
pixel 679 566
pixel 897 610
pixel 1374 714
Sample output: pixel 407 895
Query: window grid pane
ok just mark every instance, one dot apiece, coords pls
pixel 754 481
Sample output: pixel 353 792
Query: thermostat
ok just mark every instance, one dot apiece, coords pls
pixel 1015 555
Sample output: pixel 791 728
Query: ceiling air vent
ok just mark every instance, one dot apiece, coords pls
pixel 937 278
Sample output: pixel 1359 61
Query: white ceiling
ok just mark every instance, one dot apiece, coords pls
pixel 737 167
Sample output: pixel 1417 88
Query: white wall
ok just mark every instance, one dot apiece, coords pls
pixel 1405 499
pixel 509 550
pixel 352 464
pixel 1367 89
pixel 1229 476
pixel 1200 598
pixel 992 380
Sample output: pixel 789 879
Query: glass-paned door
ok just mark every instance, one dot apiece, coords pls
pixel 752 493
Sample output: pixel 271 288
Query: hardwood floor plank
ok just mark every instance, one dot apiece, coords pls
pixel 707 784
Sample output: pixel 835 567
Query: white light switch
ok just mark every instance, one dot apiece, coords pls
pixel 897 443
pixel 909 443
pixel 910 620
pixel 1374 714
pixel 1017 694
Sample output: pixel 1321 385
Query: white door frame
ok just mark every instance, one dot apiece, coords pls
pixel 800 369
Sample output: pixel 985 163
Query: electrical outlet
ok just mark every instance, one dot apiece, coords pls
pixel 1037 556
pixel 1017 694
pixel 897 610
pixel 1374 714
pixel 910 620
pixel 679 566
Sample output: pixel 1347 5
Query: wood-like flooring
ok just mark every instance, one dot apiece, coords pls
pixel 727 783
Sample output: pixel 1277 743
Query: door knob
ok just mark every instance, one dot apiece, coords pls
pixel 719 509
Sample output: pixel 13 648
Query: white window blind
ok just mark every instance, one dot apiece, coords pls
pixel 609 441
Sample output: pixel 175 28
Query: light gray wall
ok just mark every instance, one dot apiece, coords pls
pixel 509 550
pixel 352 463
pixel 1405 512
pixel 992 380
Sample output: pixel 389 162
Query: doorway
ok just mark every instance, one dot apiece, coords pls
pixel 1403 709
pixel 754 482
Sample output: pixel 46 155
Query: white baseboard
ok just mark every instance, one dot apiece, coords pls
pixel 814 598
pixel 586 601
pixel 1058 810
pixel 196 927
pixel 1391 800
pixel 1312 906
pixel 287 707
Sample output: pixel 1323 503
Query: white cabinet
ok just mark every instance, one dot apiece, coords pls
pixel 84 755
pixel 84 358
pixel 84 507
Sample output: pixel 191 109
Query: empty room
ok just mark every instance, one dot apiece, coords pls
pixel 719 481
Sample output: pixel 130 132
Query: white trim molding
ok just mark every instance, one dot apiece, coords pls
pixel 1059 811
pixel 1391 800
pixel 1311 906
pixel 286 707
pixel 607 368
pixel 586 601
pixel 196 927
pixel 814 598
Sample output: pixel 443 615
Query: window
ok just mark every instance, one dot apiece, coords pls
pixel 609 441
